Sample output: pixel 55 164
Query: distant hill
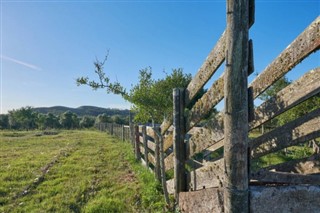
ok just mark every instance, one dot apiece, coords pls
pixel 83 110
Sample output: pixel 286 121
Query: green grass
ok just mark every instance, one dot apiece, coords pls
pixel 73 171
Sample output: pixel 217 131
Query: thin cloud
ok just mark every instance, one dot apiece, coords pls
pixel 31 66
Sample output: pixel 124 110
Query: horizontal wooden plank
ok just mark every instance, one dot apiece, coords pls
pixel 204 137
pixel 213 148
pixel 151 145
pixel 170 186
pixel 168 141
pixel 300 130
pixel 297 92
pixel 305 44
pixel 144 164
pixel 205 104
pixel 168 162
pixel 151 158
pixel 206 200
pixel 210 175
pixel 166 124
pixel 271 177
pixel 150 131
pixel 308 165
pixel 211 137
pixel 284 199
pixel 140 139
pixel 209 67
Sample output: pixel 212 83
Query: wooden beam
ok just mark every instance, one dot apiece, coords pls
pixel 166 124
pixel 204 137
pixel 308 165
pixel 210 175
pixel 305 44
pixel 169 162
pixel 157 168
pixel 178 142
pixel 209 67
pixel 205 104
pixel 122 133
pixel 236 195
pixel 211 136
pixel 151 145
pixel 168 140
pixel 145 145
pixel 298 131
pixel 137 143
pixel 150 132
pixel 295 93
pixel 157 132
pixel 270 177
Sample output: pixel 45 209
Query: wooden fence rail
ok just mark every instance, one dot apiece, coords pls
pixel 212 163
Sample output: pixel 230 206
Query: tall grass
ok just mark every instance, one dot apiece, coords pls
pixel 73 171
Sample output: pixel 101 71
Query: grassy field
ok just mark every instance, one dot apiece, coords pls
pixel 73 171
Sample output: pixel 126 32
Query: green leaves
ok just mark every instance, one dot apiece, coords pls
pixel 151 99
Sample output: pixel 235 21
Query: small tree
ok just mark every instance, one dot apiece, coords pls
pixel 151 99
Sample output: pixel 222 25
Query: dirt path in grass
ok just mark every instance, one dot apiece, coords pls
pixel 63 153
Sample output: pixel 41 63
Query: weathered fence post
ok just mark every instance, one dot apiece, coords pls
pixel 157 131
pixel 111 129
pixel 236 108
pixel 137 143
pixel 157 170
pixel 145 145
pixel 132 132
pixel 179 148
pixel 122 132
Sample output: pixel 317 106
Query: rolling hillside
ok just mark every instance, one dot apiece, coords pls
pixel 83 110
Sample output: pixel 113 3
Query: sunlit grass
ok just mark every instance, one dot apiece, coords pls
pixel 73 171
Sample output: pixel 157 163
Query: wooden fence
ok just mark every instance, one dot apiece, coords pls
pixel 118 130
pixel 212 164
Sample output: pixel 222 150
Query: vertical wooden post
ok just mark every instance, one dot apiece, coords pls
pixel 137 143
pixel 157 131
pixel 179 148
pixel 236 108
pixel 111 128
pixel 122 132
pixel 145 145
pixel 132 133
pixel 157 170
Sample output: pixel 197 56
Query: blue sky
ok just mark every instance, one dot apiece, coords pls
pixel 46 45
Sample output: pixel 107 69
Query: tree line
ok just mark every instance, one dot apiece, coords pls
pixel 26 118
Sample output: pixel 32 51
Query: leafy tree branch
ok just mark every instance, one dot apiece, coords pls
pixel 151 99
